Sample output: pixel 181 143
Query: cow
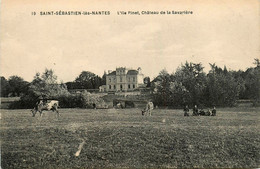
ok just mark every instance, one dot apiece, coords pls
pixel 41 106
pixel 148 108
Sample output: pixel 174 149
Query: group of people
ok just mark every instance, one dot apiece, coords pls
pixel 201 112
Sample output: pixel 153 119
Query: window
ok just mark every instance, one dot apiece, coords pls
pixel 121 87
pixel 114 79
pixel 129 86
pixel 114 86
pixel 109 79
pixel 133 86
pixel 109 86
pixel 133 79
pixel 121 79
pixel 129 79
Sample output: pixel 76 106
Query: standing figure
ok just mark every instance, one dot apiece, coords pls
pixel 119 105
pixel 148 108
pixel 44 99
pixel 214 111
pixel 195 111
pixel 94 106
pixel 186 110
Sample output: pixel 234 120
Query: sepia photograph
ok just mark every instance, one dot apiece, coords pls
pixel 129 84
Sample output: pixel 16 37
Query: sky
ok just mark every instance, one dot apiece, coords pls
pixel 222 32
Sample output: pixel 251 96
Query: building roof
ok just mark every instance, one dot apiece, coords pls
pixel 112 73
pixel 129 72
pixel 132 72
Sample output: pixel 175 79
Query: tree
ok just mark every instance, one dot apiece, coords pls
pixel 5 87
pixel 49 77
pixel 46 85
pixel 185 86
pixel 88 80
pixel 193 81
pixel 252 83
pixel 222 88
pixel 147 81
pixel 103 82
pixel 180 95
pixel 161 87
pixel 257 62
pixel 17 85
pixel 72 85
pixel 239 77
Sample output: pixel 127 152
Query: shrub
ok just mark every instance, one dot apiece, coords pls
pixel 83 100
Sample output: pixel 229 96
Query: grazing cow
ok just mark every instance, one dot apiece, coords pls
pixel 148 109
pixel 52 105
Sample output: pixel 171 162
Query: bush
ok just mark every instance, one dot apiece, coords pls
pixel 25 102
pixel 83 100
pixel 91 100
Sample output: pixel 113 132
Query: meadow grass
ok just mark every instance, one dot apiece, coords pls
pixel 122 138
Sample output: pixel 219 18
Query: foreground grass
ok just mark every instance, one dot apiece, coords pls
pixel 124 138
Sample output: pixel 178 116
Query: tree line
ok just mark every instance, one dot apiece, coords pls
pixel 87 80
pixel 45 86
pixel 188 85
pixel 16 86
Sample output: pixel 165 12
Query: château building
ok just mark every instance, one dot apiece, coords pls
pixel 123 79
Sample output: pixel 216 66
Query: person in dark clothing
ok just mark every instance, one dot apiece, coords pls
pixel 186 110
pixel 94 106
pixel 44 99
pixel 195 111
pixel 39 100
pixel 202 112
pixel 214 111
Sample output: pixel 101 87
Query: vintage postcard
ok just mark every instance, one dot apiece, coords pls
pixel 130 84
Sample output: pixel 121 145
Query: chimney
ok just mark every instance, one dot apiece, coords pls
pixel 109 71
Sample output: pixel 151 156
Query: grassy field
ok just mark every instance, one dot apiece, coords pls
pixel 112 138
